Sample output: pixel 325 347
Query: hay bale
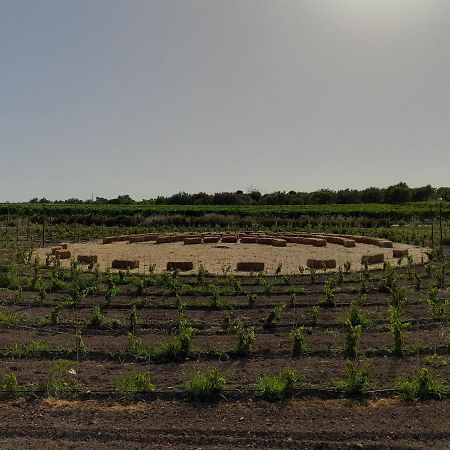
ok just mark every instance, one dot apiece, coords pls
pixel 250 267
pixel 124 264
pixel 164 239
pixel 321 263
pixel 56 249
pixel 315 242
pixel 373 259
pixel 397 253
pixel 249 240
pixel 211 239
pixel 231 238
pixel 143 238
pixel 384 243
pixel 192 240
pixel 279 243
pixel 183 266
pixel 63 254
pixel 87 259
pixel 264 240
pixel 111 239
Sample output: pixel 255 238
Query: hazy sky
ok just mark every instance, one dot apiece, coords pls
pixel 109 97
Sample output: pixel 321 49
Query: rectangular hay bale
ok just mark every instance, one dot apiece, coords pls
pixel 124 264
pixel 249 266
pixel 87 259
pixel 183 266
pixel 373 259
pixel 192 240
pixel 63 254
pixel 321 263
pixel 279 243
pixel 211 239
pixel 231 239
pixel 397 253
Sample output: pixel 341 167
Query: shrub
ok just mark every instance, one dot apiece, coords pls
pixel 205 386
pixel 277 387
pixel 177 347
pixel 330 293
pixel 299 345
pixel 62 381
pixel 397 328
pixel 422 387
pixel 355 381
pixel 98 319
pixel 10 386
pixel 275 314
pixel 246 338
pixel 352 340
pixel 355 316
pixel 315 315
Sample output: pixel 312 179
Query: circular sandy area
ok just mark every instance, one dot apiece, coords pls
pixel 216 258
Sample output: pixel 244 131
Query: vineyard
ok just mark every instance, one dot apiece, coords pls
pixel 256 348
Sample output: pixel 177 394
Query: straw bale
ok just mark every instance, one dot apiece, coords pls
pixel 231 238
pixel 63 254
pixel 211 239
pixel 250 267
pixel 279 243
pixel 184 266
pixel 373 259
pixel 249 240
pixel 87 259
pixel 192 240
pixel 321 263
pixel 124 264
pixel 397 253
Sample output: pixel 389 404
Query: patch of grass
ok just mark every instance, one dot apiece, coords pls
pixel 436 360
pixel 423 386
pixel 277 387
pixel 10 318
pixel 356 379
pixel 31 349
pixel 205 386
pixel 131 385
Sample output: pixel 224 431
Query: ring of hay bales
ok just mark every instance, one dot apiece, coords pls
pixel 250 267
pixel 183 266
pixel 373 259
pixel 123 264
pixel 321 263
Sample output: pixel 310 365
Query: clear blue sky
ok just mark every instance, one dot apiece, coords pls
pixel 110 97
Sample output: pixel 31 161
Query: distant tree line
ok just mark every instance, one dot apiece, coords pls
pixel 396 194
